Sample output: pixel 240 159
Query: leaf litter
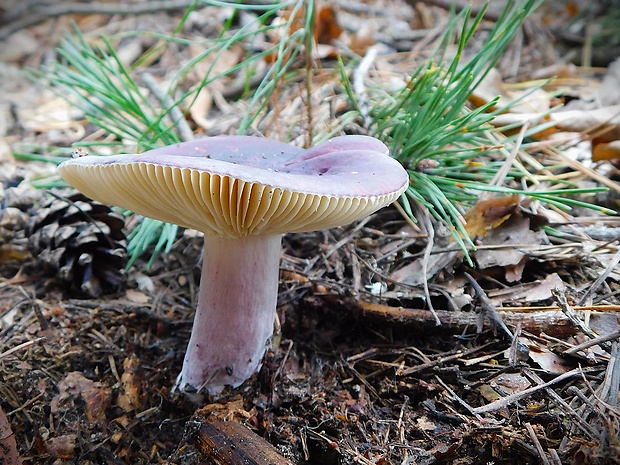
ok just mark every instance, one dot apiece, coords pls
pixel 360 372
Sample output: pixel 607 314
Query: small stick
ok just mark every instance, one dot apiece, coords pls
pixel 592 342
pixel 488 307
pixel 537 444
pixel 430 233
pixel 21 346
pixel 571 314
pixel 612 265
pixel 359 88
pixel 439 361
pixel 454 395
pixel 555 457
pixel 609 390
pixel 551 321
pixel 578 419
pixel 175 114
pixel 506 401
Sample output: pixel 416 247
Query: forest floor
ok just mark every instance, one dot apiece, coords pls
pixel 360 372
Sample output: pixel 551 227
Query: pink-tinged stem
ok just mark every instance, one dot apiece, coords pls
pixel 236 311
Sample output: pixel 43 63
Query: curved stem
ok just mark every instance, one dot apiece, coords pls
pixel 235 315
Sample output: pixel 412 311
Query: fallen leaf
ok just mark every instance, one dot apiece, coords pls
pixel 75 386
pixel 62 447
pixel 326 28
pixel 520 101
pixel 602 123
pixel 549 361
pixel 136 297
pixel 510 383
pixel 609 92
pixel 510 242
pixel 412 274
pixel 489 213
pixel 8 444
pixel 528 292
pixel 606 151
pixel 212 67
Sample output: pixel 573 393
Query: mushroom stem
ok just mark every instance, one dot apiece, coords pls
pixel 235 314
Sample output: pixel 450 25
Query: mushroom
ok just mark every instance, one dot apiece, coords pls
pixel 243 193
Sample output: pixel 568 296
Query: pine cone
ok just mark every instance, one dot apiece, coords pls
pixel 82 241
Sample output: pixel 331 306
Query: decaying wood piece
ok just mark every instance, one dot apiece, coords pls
pixel 548 320
pixel 230 443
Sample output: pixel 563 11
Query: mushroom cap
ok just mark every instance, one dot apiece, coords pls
pixel 234 186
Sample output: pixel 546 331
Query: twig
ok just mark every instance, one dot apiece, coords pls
pixel 175 114
pixel 21 346
pixel 488 307
pixel 539 448
pixel 612 265
pixel 42 12
pixel 359 74
pixel 609 390
pixel 555 457
pixel 571 314
pixel 455 397
pixel 438 361
pixel 565 407
pixel 500 176
pixel 506 401
pixel 592 342
pixel 430 233
pixel 549 320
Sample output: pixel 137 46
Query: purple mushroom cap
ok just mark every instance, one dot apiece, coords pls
pixel 241 185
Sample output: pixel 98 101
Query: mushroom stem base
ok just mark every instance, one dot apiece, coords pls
pixel 235 316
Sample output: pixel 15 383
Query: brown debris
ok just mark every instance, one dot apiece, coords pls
pixel 230 443
pixel 76 387
pixel 8 445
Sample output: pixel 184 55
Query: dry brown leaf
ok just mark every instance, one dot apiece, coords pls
pixel 606 151
pixel 362 39
pixel 18 46
pixel 8 444
pixel 326 28
pixel 549 361
pixel 527 292
pixel 601 123
pixel 521 101
pixel 511 241
pixel 326 25
pixel 94 396
pixel 209 67
pixel 412 274
pixel 511 382
pixel 62 447
pixel 519 119
pixel 489 213
pixel 136 297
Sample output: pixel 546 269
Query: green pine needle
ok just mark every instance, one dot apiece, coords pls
pixel 429 119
